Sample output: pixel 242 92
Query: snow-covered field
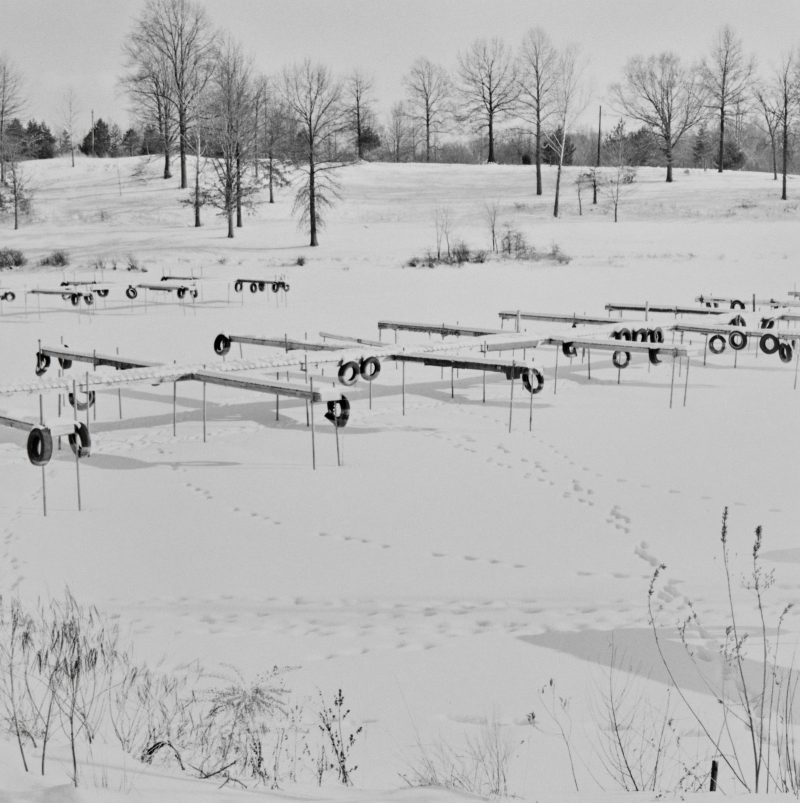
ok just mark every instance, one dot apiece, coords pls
pixel 451 577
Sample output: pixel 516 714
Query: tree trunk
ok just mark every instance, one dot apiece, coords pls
pixel 721 156
pixel 538 154
pixel 182 144
pixel 558 188
pixel 238 190
pixel 785 159
pixel 312 199
pixel 230 223
pixel 427 138
pixel 668 154
pixel 271 192
pixel 197 195
pixel 774 157
pixel 490 159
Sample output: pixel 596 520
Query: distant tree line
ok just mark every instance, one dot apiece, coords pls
pixel 199 103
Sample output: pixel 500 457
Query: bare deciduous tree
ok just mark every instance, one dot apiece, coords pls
pixel 358 91
pixel 231 102
pixel 768 112
pixel 314 99
pixel 11 103
pixel 180 34
pixel 68 113
pixel 398 132
pixel 276 127
pixel 786 94
pixel 429 91
pixel 661 93
pixel 488 86
pixel 538 64
pixel 148 84
pixel 568 102
pixel 727 77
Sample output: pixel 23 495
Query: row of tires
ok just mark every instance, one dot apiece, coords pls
pixel 132 292
pixel 641 335
pixel 259 286
pixel 40 443
pixel 712 303
pixel 8 295
pixel 768 343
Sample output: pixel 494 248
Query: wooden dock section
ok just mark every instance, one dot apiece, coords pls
pixel 551 317
pixel 670 309
pixel 511 369
pixel 442 329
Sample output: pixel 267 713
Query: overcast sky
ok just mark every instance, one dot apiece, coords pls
pixel 63 44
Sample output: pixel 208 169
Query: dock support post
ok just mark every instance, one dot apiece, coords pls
pixel 672 381
pixel 313 442
pixel 77 461
pixel 511 400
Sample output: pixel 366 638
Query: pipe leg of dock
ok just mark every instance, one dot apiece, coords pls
pixel 589 363
pixel 403 381
pixel 204 412
pixel 672 381
pixel 530 414
pixel 77 461
pixel 484 385
pixel 796 359
pixel 705 350
pixel 174 408
pixel 555 374
pixel 452 389
pixel 686 383
pixel 511 400
pixel 313 441
pixel 277 407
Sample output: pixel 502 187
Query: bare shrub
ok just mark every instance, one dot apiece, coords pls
pixel 761 700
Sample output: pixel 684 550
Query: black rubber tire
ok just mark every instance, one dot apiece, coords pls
pixel 285 287
pixel 88 299
pixel 785 352
pixel 656 335
pixel 222 344
pixel 82 406
pixel 253 287
pixel 275 287
pixel 262 286
pixel 80 441
pixel 617 359
pixel 348 373
pixel 527 382
pixel 737 320
pixel 237 287
pixel 369 368
pixel 193 293
pixel 737 340
pixel 66 296
pixel 769 344
pixel 641 335
pixel 716 344
pixel 42 363
pixel 39 446
pixel 652 355
pixel 102 293
pixel 624 333
pixel 9 296
pixel 338 412
pixel 65 363
pixel 131 292
pixel 767 323
pixel 75 299
pixel 736 304
pixel 569 350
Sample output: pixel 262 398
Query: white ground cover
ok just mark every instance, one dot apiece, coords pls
pixel 449 570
